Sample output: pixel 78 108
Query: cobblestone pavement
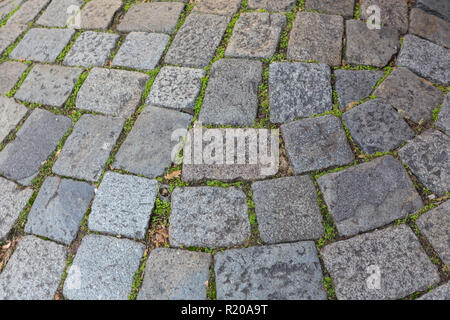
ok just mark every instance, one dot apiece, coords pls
pixel 93 204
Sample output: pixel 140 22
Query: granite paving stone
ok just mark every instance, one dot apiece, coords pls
pixel 393 13
pixel 341 7
pixel 414 97
pixel 103 269
pixel 9 33
pixel 123 205
pixel 154 127
pixel 298 90
pixel 287 210
pixel 256 35
pixel 59 208
pixel 28 11
pixel 392 255
pixel 12 200
pixel 98 14
pixel 208 217
pixel 11 113
pixel 375 126
pixel 436 7
pixel 270 5
pixel 430 27
pixel 220 7
pixel 231 97
pixel 10 74
pixel 112 92
pixel 8 6
pixel 369 195
pixel 316 144
pixel 88 147
pixel 440 293
pixel 48 85
pixel 60 13
pixel 36 140
pixel 33 271
pixel 172 274
pixel 444 115
pixel 279 272
pixel 427 156
pixel 197 40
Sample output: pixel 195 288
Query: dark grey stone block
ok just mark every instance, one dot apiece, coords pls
pixel 99 14
pixel 444 115
pixel 341 7
pixel 440 293
pixel 220 7
pixel 430 27
pixel 270 5
pixel 393 13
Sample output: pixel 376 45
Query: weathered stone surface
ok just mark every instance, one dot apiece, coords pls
pixel 376 126
pixel 34 270
pixel 316 37
pixel 430 27
pixel 221 7
pixel 155 127
pixel 444 115
pixel 393 13
pixel 87 149
pixel 42 45
pixel 316 144
pixel 176 88
pixel 256 35
pixel 28 11
pixel 91 49
pixel 103 269
pixel 426 59
pixel 278 272
pixel 34 143
pixel 341 7
pixel 112 92
pixel 427 156
pixel 48 85
pixel 172 274
pixel 208 217
pixel 59 208
pixel 10 115
pixel 298 90
pixel 231 97
pixel 414 97
pixel 60 13
pixel 270 5
pixel 440 293
pixel 12 201
pixel 10 74
pixel 197 40
pixel 394 254
pixel 9 33
pixel 98 14
pixel 355 85
pixel 369 195
pixel 287 210
pixel 152 17
pixel 7 6
pixel 122 205
pixel 436 7
pixel 435 225
pixel 141 50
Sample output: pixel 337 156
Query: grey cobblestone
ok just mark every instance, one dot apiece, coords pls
pixel 11 113
pixel 10 73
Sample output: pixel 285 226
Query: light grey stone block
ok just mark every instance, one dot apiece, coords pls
pixel 99 14
pixel 341 7
pixel 220 7
pixel 28 11
pixel 59 13
pixel 270 5
pixel 9 33
pixel 440 293
pixel 10 74
pixel 11 113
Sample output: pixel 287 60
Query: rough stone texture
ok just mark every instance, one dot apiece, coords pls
pixel 316 144
pixel 341 7
pixel 393 13
pixel 9 33
pixel 28 11
pixel 444 115
pixel 34 143
pixel 10 74
pixel 221 7
pixel 176 88
pixel 394 252
pixel 197 40
pixel 112 92
pixel 141 50
pixel 426 59
pixel 7 6
pixel 430 27
pixel 208 217
pixel 270 5
pixel 60 13
pixel 59 208
pixel 279 272
pixel 34 270
pixel 414 97
pixel 440 293
pixel 152 17
pixel 10 115
pixel 98 14
pixel 12 201
pixel 376 126
pixel 298 90
pixel 155 127
pixel 231 97
pixel 437 7
pixel 287 210
pixel 370 47
pixel 103 269
pixel 369 195
pixel 316 37
pixel 355 85
pixel 427 156
pixel 42 45
pixel 256 35
pixel 91 49
pixel 48 85
pixel 172 274
pixel 123 205
pixel 435 225
pixel 87 149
